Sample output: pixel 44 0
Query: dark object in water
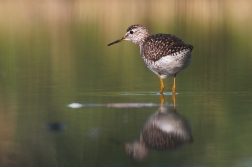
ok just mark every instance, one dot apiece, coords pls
pixel 164 130
pixel 56 126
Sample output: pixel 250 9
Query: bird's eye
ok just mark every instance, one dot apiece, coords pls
pixel 131 32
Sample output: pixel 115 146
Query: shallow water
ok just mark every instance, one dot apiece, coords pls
pixel 67 99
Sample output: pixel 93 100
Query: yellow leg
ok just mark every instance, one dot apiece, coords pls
pixel 174 84
pixel 161 85
pixel 162 99
pixel 161 102
pixel 174 100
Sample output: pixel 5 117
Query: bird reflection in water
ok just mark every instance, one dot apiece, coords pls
pixel 164 130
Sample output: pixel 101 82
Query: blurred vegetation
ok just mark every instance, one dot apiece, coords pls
pixel 68 32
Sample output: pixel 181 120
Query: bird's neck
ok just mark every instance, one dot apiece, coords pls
pixel 141 38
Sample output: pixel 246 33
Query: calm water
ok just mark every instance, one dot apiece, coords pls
pixel 54 55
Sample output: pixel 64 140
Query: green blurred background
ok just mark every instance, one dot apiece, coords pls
pixel 54 52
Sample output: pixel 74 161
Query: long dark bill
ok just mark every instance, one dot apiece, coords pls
pixel 117 41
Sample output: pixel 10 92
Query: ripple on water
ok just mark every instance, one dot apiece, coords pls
pixel 150 93
pixel 144 93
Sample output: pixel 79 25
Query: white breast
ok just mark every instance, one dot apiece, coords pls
pixel 170 64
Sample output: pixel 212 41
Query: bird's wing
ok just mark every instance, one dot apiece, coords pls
pixel 159 45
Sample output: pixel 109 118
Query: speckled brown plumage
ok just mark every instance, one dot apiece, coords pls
pixel 160 45
pixel 164 54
